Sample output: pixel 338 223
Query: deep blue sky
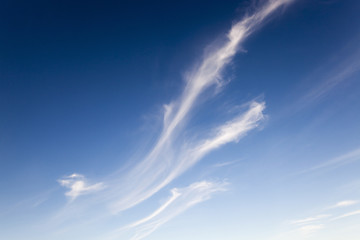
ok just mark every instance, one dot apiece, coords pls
pixel 83 84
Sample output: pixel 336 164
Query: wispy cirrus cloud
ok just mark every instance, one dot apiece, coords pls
pixel 310 229
pixel 340 73
pixel 180 200
pixel 344 203
pixel 78 185
pixel 310 220
pixel 165 162
pixel 172 162
pixel 304 228
pixel 342 68
pixel 224 164
pixel 346 158
pixel 173 153
pixel 345 215
pixel 308 226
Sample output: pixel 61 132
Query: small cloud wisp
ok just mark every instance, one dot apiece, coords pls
pixel 78 185
pixel 345 203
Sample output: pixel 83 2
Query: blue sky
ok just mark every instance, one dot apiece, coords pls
pixel 180 120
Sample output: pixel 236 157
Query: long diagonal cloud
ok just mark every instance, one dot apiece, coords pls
pixel 173 153
pixel 165 162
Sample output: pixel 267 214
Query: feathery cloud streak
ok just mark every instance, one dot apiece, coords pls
pixel 164 163
pixel 357 212
pixel 312 224
pixel 347 158
pixel 181 199
pixel 343 72
pixel 345 203
pixel 172 162
pixel 310 219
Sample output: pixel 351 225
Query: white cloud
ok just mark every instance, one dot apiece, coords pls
pixel 345 203
pixel 233 130
pixel 165 162
pixel 181 199
pixel 309 225
pixel 224 164
pixel 174 153
pixel 78 185
pixel 346 215
pixel 171 162
pixel 309 229
pixel 310 219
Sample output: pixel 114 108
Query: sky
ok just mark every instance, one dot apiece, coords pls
pixel 180 120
